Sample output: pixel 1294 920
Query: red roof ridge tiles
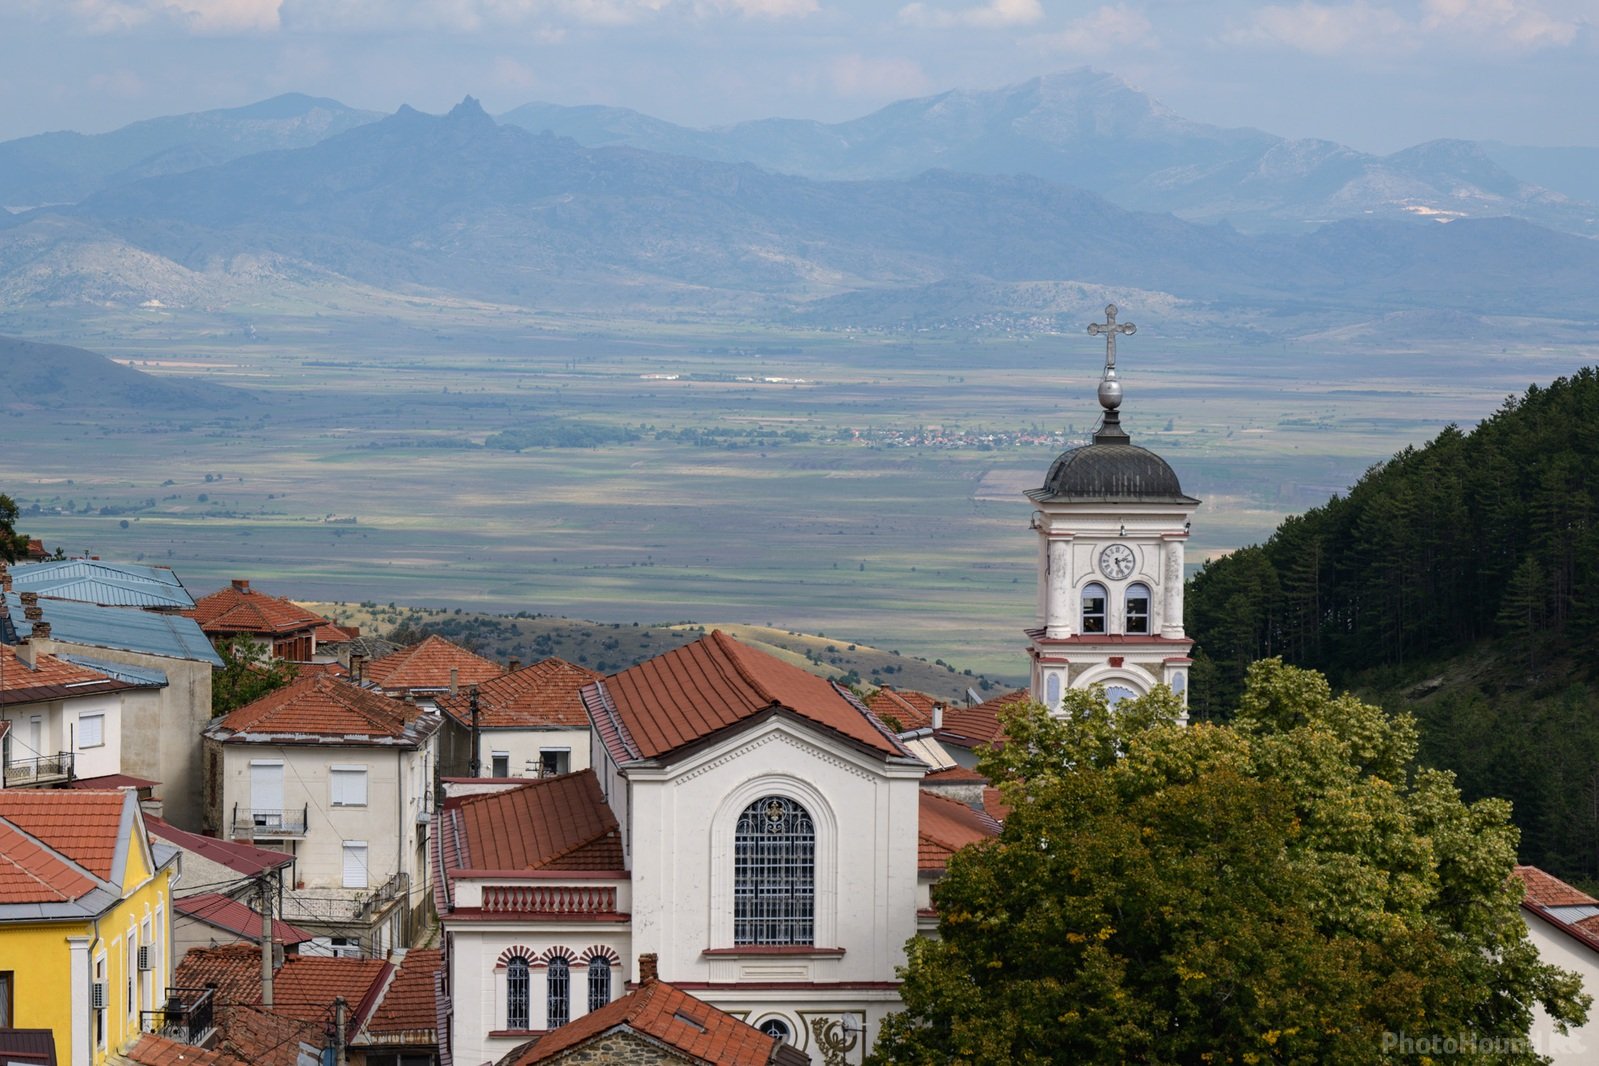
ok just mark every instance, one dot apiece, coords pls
pixel 1547 890
pixel 548 823
pixel 49 678
pixel 690 693
pixel 322 705
pixel 546 694
pixel 83 826
pixel 152 1049
pixel 945 826
pixel 666 1014
pixel 980 724
pixel 303 988
pixel 32 872
pixel 408 1003
pixel 427 664
pixel 913 710
pixel 237 608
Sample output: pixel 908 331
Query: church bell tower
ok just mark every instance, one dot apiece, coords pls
pixel 1111 521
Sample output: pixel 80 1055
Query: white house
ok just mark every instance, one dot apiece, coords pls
pixel 341 779
pixel 750 824
pixel 526 723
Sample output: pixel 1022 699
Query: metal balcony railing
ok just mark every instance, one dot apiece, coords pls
pixel 267 823
pixel 187 1018
pixel 45 770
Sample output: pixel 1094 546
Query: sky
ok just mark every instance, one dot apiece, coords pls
pixel 1372 74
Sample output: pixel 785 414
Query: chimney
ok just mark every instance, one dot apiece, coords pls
pixel 646 968
pixel 357 663
pixel 455 680
pixel 33 613
pixel 241 584
pixel 938 716
pixel 41 631
pixel 513 665
pixel 25 653
pixel 29 599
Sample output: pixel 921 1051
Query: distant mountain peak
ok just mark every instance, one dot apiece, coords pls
pixel 469 110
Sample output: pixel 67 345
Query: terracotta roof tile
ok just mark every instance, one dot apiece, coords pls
pixel 911 709
pixel 322 705
pixel 245 610
pixel 409 1005
pixel 82 825
pixel 225 912
pixel 303 988
pixel 49 678
pixel 266 1038
pixel 692 692
pixel 1547 890
pixel 548 693
pixel 955 774
pixel 971 727
pixel 946 826
pixel 664 1013
pixel 245 859
pixel 31 873
pixel 153 1050
pixel 994 803
pixel 550 823
pixel 328 633
pixel 427 666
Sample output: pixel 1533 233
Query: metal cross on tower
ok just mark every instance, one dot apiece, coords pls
pixel 1110 328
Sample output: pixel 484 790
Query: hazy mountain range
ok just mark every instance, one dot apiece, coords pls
pixel 1013 202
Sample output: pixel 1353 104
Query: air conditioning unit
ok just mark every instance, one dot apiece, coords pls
pixel 146 957
pixel 97 997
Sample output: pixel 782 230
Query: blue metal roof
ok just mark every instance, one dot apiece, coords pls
pixel 150 632
pixel 134 675
pixel 110 584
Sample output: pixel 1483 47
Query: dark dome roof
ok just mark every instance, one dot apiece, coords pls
pixel 1111 472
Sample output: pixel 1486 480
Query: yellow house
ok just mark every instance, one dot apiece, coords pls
pixel 85 919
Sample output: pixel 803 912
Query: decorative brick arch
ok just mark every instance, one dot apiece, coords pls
pixel 517 951
pixel 600 951
pixel 557 952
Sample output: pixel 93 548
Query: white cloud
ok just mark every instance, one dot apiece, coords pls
pixel 1326 29
pixel 771 9
pixel 1105 27
pixel 1519 25
pixel 205 17
pixel 1338 29
pixel 991 13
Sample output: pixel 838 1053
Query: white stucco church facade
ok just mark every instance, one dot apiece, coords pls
pixel 753 830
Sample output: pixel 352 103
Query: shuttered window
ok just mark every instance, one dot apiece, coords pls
pixel 355 864
pixel 91 730
pixel 349 786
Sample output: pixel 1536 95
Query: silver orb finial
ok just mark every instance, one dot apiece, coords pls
pixel 1110 389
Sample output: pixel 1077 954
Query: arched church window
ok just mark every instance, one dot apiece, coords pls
pixel 774 874
pixel 1138 608
pixel 599 982
pixel 777 1027
pixel 516 994
pixel 1114 694
pixel 559 994
pixel 1094 609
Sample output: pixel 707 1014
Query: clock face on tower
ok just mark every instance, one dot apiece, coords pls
pixel 1116 561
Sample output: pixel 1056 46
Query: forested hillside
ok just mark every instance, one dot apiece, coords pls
pixel 1459 581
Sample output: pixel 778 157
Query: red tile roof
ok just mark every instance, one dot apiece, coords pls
pixel 31 873
pixel 550 823
pixel 427 666
pixel 946 826
pixel 265 1038
pixel 240 609
pixel 320 705
pixel 105 781
pixel 666 1014
pixel 1547 890
pixel 246 859
pixel 548 693
pixel 950 775
pixel 225 912
pixel 153 1050
pixel 971 727
pixel 911 709
pixel 691 692
pixel 303 988
pixel 328 633
pixel 84 826
pixel 49 678
pixel 409 1005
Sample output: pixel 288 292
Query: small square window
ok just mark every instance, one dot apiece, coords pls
pixel 501 764
pixel 91 730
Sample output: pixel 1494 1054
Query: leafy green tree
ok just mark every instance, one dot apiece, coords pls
pixel 245 676
pixel 1286 888
pixel 12 543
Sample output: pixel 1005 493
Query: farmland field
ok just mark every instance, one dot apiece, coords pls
pixel 865 486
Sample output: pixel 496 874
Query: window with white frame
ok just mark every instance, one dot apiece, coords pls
pixel 355 864
pixel 1094 608
pixel 91 730
pixel 774 874
pixel 348 786
pixel 1137 617
pixel 500 764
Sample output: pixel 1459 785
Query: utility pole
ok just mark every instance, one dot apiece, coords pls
pixel 339 1010
pixel 268 948
pixel 476 763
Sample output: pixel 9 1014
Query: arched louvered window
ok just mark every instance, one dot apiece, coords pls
pixel 1137 621
pixel 774 874
pixel 516 994
pixel 559 983
pixel 599 982
pixel 1094 609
